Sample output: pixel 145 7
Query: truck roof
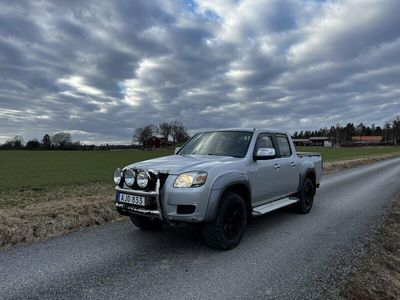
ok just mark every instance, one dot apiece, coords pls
pixel 256 130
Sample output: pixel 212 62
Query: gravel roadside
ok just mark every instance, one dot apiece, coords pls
pixel 377 274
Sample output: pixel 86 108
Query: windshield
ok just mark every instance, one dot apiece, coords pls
pixel 222 143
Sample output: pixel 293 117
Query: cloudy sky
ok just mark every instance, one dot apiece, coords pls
pixel 99 69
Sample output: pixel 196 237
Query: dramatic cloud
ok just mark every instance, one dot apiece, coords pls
pixel 99 69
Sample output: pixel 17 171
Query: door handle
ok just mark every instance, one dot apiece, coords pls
pixel 292 164
pixel 277 166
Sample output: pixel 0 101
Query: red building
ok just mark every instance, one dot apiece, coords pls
pixel 155 143
pixel 373 139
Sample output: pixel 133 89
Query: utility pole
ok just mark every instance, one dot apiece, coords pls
pixel 386 130
pixel 337 134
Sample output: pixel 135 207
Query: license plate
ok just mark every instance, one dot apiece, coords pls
pixel 132 199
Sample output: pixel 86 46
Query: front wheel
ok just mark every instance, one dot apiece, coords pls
pixel 306 196
pixel 146 223
pixel 226 231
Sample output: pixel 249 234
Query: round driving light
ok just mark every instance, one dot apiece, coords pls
pixel 117 176
pixel 129 177
pixel 142 179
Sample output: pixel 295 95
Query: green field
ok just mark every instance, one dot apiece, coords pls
pixel 332 154
pixel 28 177
pixel 44 169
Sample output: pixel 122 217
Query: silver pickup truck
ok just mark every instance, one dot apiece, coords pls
pixel 219 179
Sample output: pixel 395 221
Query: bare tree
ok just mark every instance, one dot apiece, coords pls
pixel 46 141
pixel 337 134
pixel 32 144
pixel 165 130
pixel 396 129
pixel 387 128
pixel 143 134
pixel 17 142
pixel 178 132
pixel 61 139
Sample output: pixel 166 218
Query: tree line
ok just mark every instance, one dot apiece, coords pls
pixel 390 132
pixel 60 140
pixel 173 131
pixel 166 130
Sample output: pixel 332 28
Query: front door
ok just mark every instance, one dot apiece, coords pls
pixel 266 181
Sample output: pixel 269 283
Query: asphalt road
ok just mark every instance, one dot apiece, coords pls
pixel 282 255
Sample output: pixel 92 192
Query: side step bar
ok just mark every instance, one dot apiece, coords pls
pixel 265 208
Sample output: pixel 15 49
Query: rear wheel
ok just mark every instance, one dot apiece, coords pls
pixel 145 223
pixel 226 231
pixel 306 196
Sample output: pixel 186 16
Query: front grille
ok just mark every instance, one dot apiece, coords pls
pixel 153 204
pixel 163 177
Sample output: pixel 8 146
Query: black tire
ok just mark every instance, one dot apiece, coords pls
pixel 226 231
pixel 306 196
pixel 146 223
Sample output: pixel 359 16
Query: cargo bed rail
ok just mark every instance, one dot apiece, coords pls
pixel 307 154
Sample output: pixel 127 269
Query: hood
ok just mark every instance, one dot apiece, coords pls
pixel 176 164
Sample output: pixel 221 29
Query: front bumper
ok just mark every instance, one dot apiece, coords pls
pixel 126 209
pixel 154 211
pixel 167 203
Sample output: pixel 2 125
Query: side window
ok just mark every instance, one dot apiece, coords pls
pixel 284 146
pixel 263 141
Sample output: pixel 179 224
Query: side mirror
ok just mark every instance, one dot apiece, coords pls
pixel 264 153
pixel 177 149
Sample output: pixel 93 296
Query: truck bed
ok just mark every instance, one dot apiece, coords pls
pixel 316 159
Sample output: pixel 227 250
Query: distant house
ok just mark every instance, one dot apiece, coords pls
pixel 366 140
pixel 320 141
pixel 156 142
pixel 301 142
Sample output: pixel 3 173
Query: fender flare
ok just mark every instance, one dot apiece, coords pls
pixel 220 185
pixel 303 175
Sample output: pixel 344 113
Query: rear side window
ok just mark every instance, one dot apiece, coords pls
pixel 284 146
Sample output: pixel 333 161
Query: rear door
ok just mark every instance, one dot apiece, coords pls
pixel 266 184
pixel 289 169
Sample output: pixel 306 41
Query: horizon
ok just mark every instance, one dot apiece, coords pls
pixel 132 143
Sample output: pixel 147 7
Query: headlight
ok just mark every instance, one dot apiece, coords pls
pixel 117 176
pixel 129 177
pixel 142 179
pixel 190 179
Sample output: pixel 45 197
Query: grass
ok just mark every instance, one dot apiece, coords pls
pixel 334 154
pixel 41 169
pixel 49 193
pixel 51 218
pixel 28 177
